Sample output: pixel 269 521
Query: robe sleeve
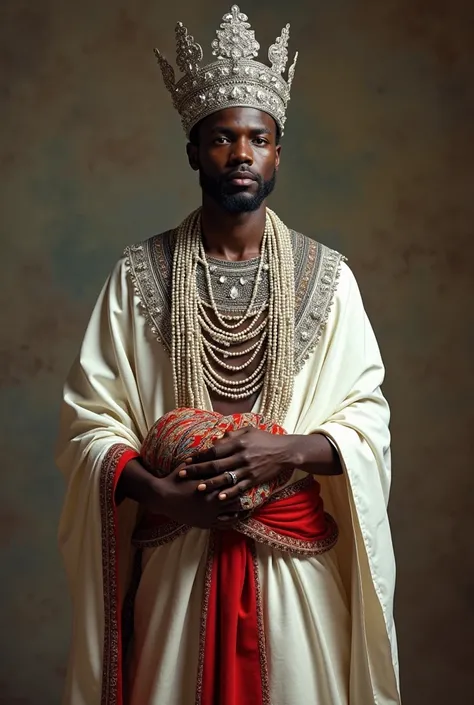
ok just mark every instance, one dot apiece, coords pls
pixel 347 405
pixel 101 428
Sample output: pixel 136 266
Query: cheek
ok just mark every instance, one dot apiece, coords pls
pixel 212 162
pixel 268 164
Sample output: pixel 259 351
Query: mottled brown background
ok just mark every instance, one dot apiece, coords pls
pixel 378 162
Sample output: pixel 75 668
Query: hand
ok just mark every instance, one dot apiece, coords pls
pixel 178 500
pixel 255 456
pixel 181 502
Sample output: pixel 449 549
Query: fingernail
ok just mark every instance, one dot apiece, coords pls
pixel 188 461
pixel 222 496
pixel 182 473
pixel 201 487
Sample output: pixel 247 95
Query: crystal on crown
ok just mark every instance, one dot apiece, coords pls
pixel 236 79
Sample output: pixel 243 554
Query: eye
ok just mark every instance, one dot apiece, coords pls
pixel 221 140
pixel 260 141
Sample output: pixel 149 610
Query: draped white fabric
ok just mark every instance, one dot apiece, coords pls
pixel 328 620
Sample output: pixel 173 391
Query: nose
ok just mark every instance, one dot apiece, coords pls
pixel 241 152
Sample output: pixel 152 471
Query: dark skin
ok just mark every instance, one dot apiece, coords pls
pixel 198 493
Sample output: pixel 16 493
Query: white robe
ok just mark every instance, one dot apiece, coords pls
pixel 328 619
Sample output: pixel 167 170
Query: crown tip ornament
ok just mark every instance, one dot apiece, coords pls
pixel 234 79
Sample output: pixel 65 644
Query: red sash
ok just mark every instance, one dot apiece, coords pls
pixel 232 669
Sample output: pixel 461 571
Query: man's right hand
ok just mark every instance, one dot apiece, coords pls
pixel 174 498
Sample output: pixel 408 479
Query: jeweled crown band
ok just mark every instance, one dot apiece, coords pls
pixel 235 79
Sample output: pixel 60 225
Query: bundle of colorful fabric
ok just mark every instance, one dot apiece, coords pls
pixel 183 433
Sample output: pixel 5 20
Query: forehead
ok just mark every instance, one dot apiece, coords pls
pixel 239 119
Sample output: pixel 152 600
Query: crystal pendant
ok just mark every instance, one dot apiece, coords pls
pixel 222 279
pixel 242 281
pixel 212 268
pixel 234 293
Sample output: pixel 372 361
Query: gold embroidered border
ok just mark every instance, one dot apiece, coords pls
pixel 159 535
pixel 262 647
pixel 315 295
pixel 111 656
pixel 293 489
pixel 204 611
pixel 150 272
pixel 262 534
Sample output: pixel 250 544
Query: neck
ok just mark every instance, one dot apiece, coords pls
pixel 231 236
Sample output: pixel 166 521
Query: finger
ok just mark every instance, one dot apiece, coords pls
pixel 214 468
pixel 219 506
pixel 186 465
pixel 232 476
pixel 223 448
pixel 236 491
pixel 233 434
pixel 203 456
pixel 178 470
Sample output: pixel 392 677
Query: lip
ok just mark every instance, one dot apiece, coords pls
pixel 241 178
pixel 239 181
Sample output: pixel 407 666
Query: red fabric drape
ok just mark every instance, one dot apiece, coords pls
pixel 234 658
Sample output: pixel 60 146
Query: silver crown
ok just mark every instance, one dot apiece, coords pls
pixel 235 79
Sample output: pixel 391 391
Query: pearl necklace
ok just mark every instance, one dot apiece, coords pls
pixel 199 344
pixel 228 335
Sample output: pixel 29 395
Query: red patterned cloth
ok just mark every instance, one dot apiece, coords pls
pixel 183 433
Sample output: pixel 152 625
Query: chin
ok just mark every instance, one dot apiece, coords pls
pixel 241 203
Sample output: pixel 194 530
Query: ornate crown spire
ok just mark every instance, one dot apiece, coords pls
pixel 236 79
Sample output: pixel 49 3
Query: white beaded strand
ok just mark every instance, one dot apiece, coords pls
pixel 191 352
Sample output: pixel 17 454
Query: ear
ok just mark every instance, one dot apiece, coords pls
pixel 193 156
pixel 277 157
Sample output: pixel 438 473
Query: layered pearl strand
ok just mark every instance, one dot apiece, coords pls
pixel 194 355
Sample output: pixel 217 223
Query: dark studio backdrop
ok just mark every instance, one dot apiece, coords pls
pixel 378 162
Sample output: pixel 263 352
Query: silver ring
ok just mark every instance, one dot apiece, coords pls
pixel 233 476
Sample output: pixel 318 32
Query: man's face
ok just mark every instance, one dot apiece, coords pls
pixel 237 157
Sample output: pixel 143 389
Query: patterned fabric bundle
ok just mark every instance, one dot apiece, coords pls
pixel 183 433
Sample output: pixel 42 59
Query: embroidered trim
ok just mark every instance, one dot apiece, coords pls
pixel 151 537
pixel 262 534
pixel 111 647
pixel 204 611
pixel 317 271
pixel 262 647
pixel 293 489
pixel 317 286
pixel 149 265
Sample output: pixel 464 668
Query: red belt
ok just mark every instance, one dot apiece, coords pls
pixel 232 664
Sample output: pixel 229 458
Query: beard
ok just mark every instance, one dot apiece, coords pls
pixel 234 201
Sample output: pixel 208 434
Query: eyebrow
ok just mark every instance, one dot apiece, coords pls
pixel 229 131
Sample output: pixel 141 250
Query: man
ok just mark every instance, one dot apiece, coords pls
pixel 179 595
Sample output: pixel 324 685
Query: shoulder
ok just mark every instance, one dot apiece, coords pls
pixel 145 270
pixel 150 260
pixel 160 244
pixel 318 266
pixel 305 247
pixel 329 267
pixel 320 275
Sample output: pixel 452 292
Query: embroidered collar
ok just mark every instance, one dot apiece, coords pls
pixel 317 269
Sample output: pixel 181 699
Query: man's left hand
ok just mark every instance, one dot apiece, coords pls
pixel 251 455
